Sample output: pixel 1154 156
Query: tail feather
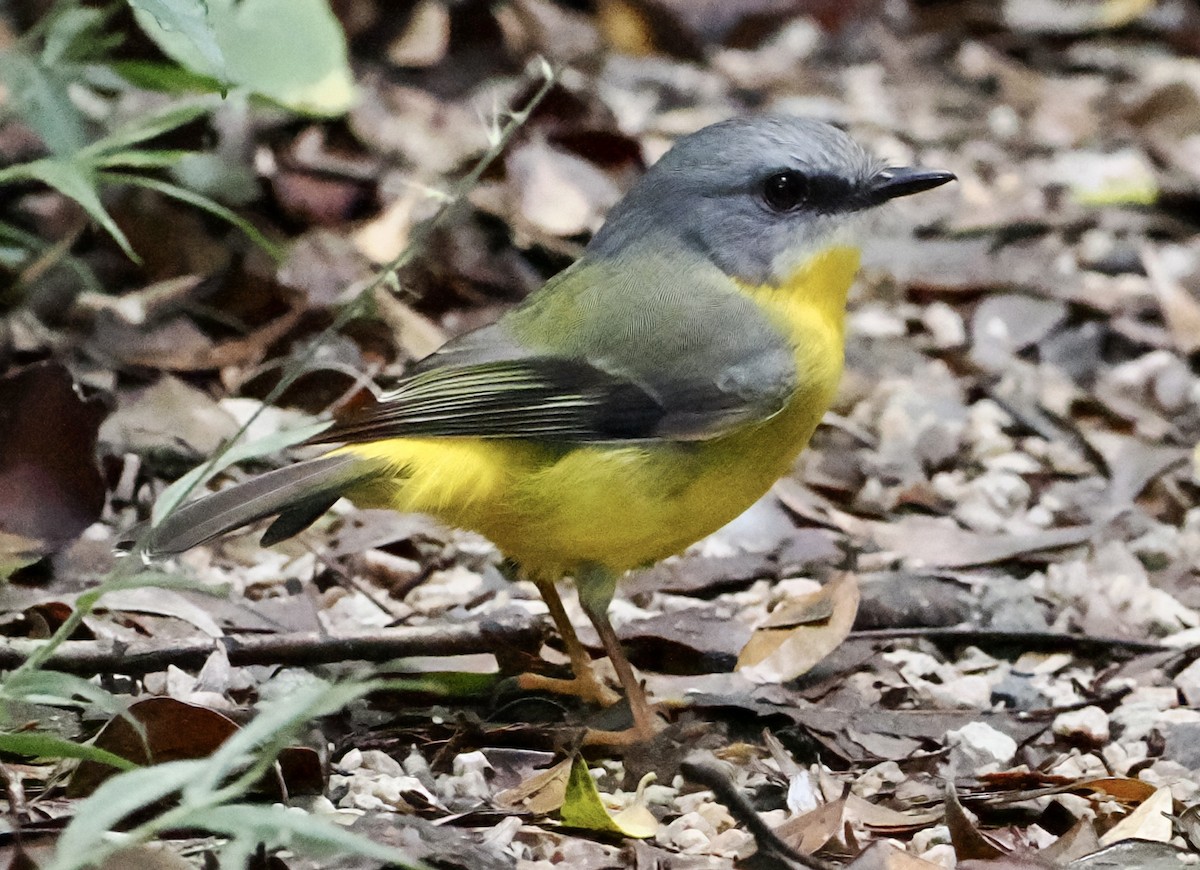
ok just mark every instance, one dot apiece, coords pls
pixel 295 492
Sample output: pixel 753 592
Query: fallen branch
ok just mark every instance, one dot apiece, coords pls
pixel 86 657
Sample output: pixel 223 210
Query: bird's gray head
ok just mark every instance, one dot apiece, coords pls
pixel 755 196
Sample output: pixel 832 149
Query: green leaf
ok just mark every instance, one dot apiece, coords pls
pixel 177 491
pixel 188 23
pixel 583 808
pixel 146 127
pixel 162 159
pixel 448 684
pixel 165 76
pixel 289 51
pixel 73 35
pixel 57 689
pixel 280 827
pixel 77 181
pixel 39 95
pixel 50 746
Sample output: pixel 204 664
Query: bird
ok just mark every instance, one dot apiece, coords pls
pixel 638 401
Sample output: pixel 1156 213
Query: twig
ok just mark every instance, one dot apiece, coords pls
pixel 1036 640
pixel 88 658
pixel 712 777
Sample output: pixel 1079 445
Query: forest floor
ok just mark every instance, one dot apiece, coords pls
pixel 1002 502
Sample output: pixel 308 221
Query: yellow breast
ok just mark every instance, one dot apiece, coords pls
pixel 628 506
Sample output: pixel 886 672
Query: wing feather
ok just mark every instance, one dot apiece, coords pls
pixel 543 397
pixel 596 357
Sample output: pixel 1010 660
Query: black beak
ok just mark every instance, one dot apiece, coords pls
pixel 903 181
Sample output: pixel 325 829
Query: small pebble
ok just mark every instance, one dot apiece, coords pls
pixel 977 744
pixel 1089 723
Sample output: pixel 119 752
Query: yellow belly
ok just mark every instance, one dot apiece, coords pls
pixel 552 509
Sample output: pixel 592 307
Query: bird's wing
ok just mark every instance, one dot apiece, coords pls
pixel 591 358
pixel 537 397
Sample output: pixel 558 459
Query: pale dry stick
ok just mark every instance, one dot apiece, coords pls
pixel 420 237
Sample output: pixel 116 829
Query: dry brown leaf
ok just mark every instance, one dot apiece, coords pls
pixel 884 745
pixel 876 816
pixel 943 543
pixel 1139 854
pixel 809 832
pixel 1122 788
pixel 691 641
pixel 885 856
pixel 1079 841
pixel 163 602
pixel 50 483
pixel 969 842
pixel 542 793
pixel 385 236
pixel 1180 309
pixel 1150 821
pixel 1008 862
pixel 625 27
pixel 432 134
pixel 173 730
pixel 776 655
pixel 169 417
pixel 416 334
pixel 425 39
pixel 549 28
pixel 558 192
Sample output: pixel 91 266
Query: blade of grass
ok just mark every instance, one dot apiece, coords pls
pixel 162 159
pixel 76 181
pixel 42 745
pixel 199 201
pixel 201 474
pixel 57 689
pixel 145 128
pixel 117 798
pixel 279 827
pixel 269 732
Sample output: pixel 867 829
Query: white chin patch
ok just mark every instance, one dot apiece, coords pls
pixel 842 230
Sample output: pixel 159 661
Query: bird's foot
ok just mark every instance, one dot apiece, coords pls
pixel 586 686
pixel 638 733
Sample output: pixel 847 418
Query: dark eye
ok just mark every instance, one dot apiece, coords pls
pixel 783 191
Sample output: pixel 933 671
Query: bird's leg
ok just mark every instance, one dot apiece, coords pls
pixel 585 684
pixel 596 587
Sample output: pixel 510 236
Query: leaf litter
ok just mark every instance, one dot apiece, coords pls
pixel 1004 481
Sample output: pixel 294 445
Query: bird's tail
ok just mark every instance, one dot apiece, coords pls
pixel 296 495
